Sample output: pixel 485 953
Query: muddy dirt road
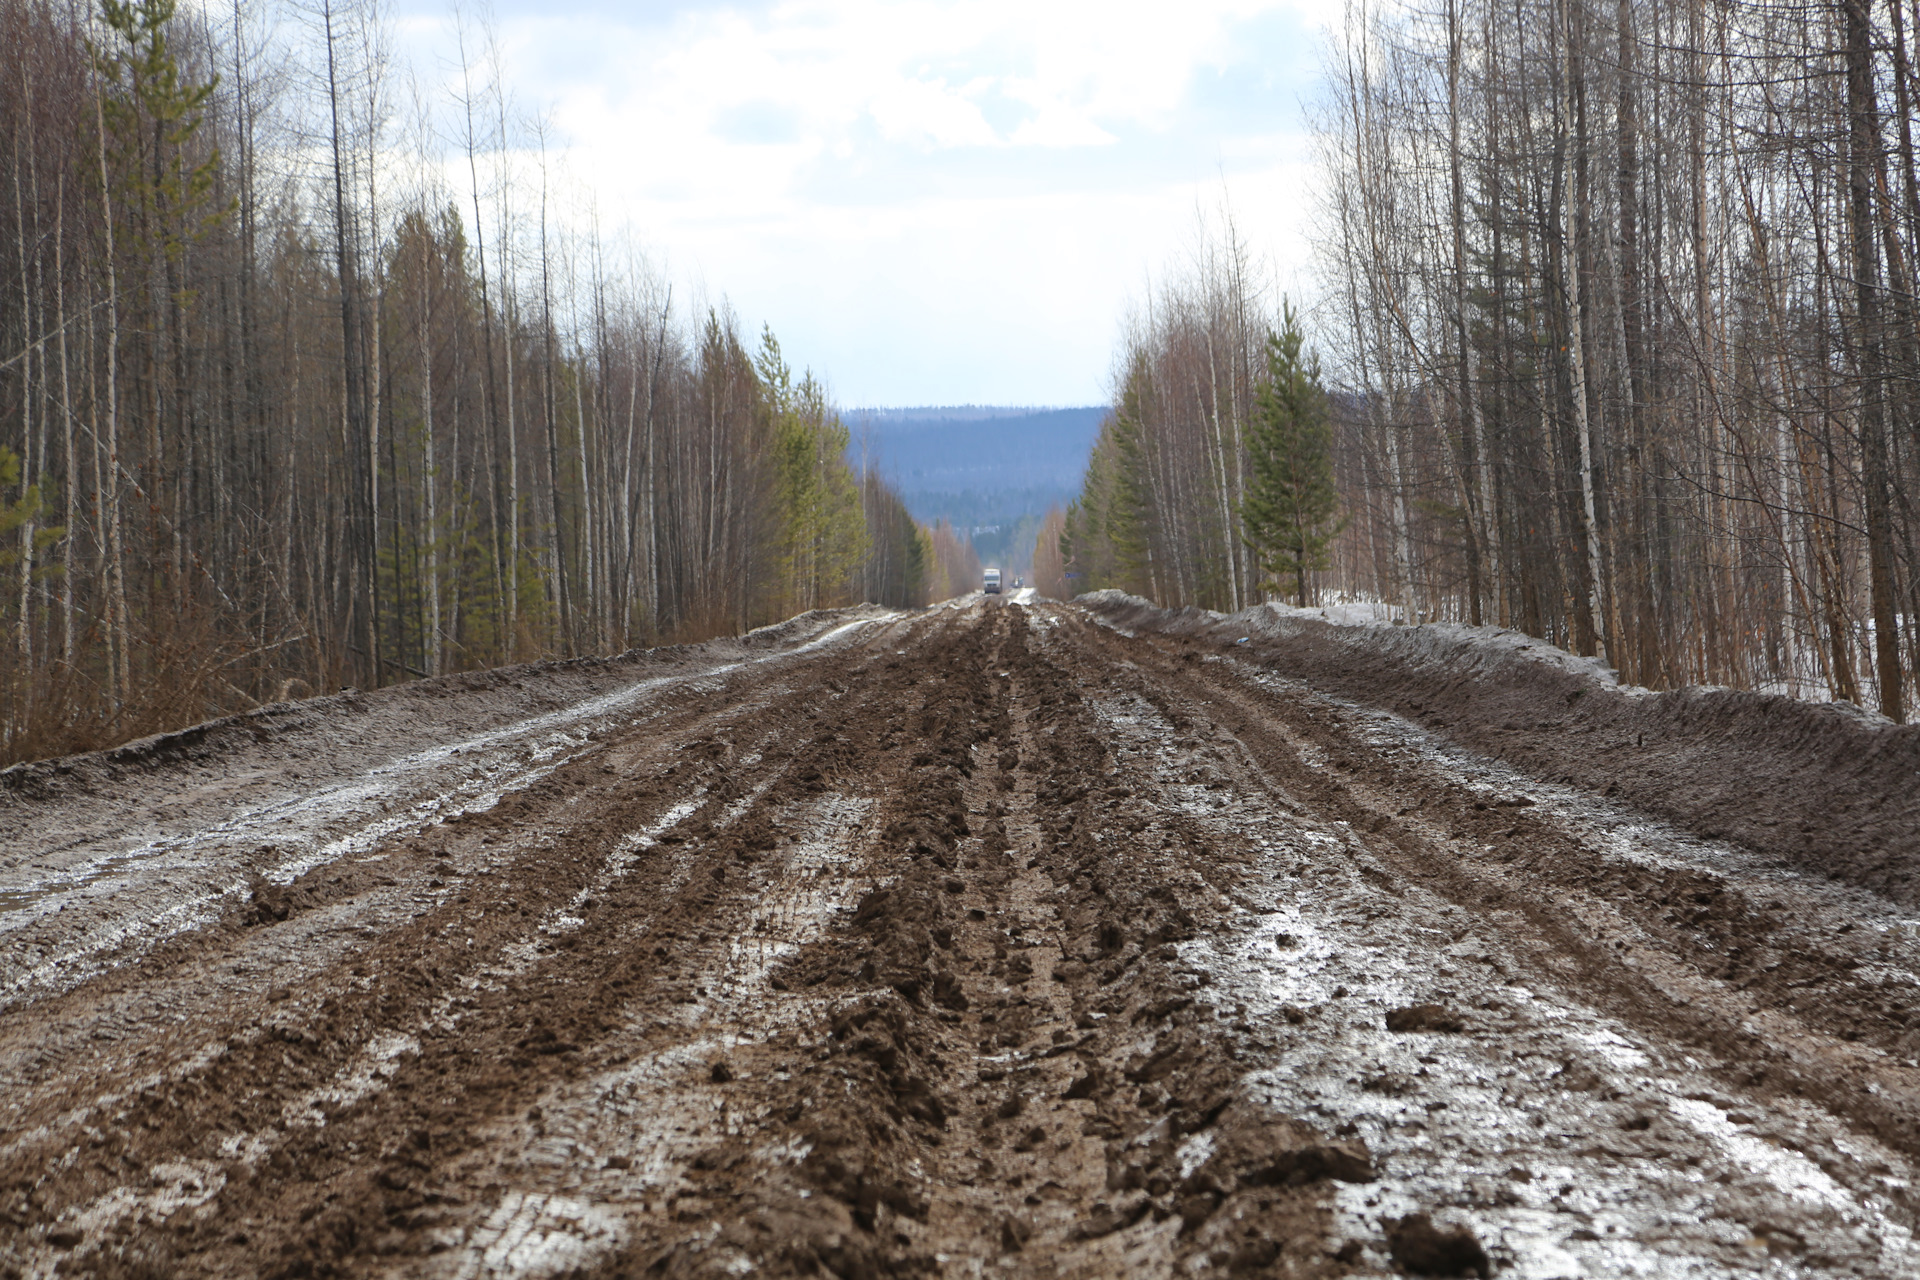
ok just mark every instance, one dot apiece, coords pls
pixel 990 940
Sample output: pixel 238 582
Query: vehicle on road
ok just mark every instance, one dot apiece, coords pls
pixel 993 582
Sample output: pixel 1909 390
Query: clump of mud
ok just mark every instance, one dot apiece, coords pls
pixel 1423 1249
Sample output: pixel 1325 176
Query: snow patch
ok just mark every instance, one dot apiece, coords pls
pixel 530 1236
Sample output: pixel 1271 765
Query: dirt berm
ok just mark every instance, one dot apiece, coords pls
pixel 1825 787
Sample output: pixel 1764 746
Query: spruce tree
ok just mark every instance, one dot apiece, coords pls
pixel 1129 508
pixel 823 526
pixel 1291 512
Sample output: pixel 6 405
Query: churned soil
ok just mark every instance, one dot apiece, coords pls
pixel 1002 938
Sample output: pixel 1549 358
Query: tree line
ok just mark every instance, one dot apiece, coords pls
pixel 1620 308
pixel 284 408
pixel 1212 482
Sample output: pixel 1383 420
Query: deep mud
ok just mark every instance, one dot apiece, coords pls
pixel 986 940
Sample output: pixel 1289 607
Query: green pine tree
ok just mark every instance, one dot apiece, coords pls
pixel 152 116
pixel 823 536
pixel 1129 511
pixel 1290 515
pixel 28 506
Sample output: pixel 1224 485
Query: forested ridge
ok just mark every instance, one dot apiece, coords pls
pixel 1619 311
pixel 282 410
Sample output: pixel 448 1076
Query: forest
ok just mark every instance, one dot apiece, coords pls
pixel 1618 306
pixel 310 378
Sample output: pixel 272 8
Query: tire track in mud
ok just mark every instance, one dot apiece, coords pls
pixel 984 941
pixel 327 914
pixel 334 909
pixel 192 872
pixel 1812 1166
pixel 512 890
pixel 987 1062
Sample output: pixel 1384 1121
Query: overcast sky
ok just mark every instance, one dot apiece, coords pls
pixel 931 203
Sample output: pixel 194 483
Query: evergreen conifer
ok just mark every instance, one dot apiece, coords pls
pixel 1290 515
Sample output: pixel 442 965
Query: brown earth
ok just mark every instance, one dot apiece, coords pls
pixel 1010 939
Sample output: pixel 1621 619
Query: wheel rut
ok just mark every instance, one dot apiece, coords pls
pixel 984 940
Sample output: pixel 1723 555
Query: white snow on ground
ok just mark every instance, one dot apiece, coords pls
pixel 529 1234
pixel 533 1235
pixel 1427 642
pixel 178 1186
pixel 1387 629
pixel 1559 1185
pixel 394 799
pixel 624 1135
pixel 1427 639
pixel 1621 831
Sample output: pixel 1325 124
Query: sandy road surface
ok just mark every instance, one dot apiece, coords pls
pixel 986 940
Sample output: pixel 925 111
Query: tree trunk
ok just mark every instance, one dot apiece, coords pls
pixel 1863 145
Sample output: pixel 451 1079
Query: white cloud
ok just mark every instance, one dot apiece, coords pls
pixel 1061 127
pixel 928 114
pixel 928 201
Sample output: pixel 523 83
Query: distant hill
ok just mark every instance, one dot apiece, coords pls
pixel 990 470
pixel 980 449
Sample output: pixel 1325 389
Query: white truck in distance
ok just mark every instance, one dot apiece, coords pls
pixel 993 582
